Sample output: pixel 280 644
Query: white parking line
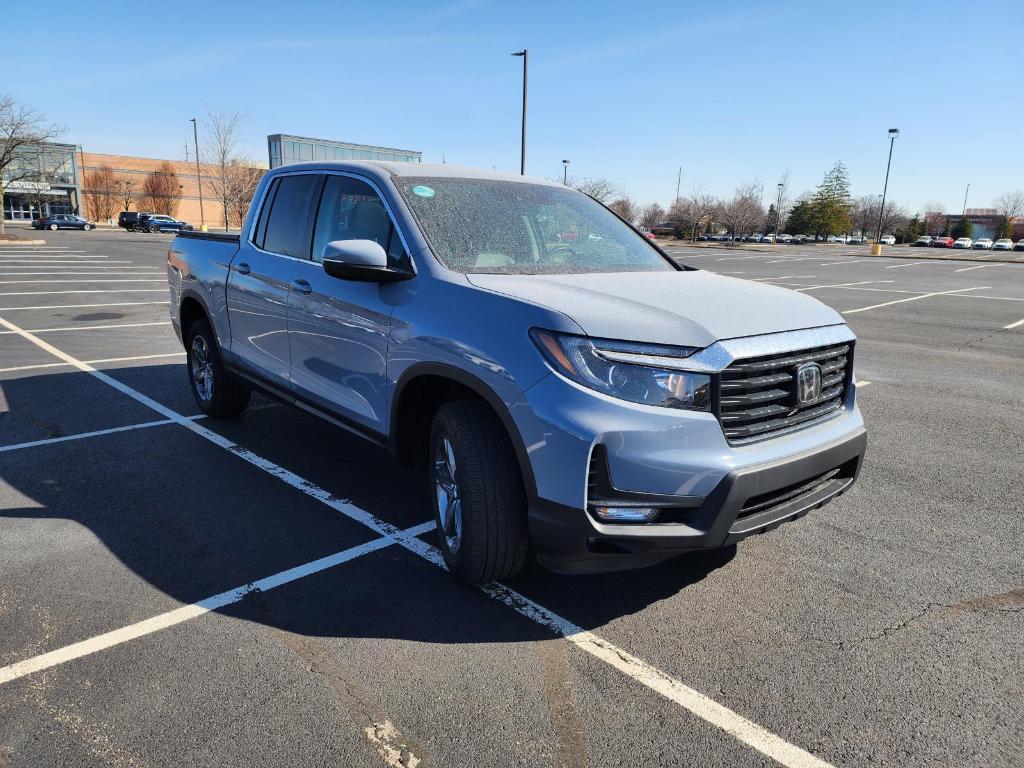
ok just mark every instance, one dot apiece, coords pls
pixel 90 327
pixel 86 306
pixel 84 435
pixel 1014 325
pixel 980 266
pixel 835 263
pixel 93 280
pixel 842 285
pixel 913 298
pixel 744 730
pixel 974 296
pixel 85 290
pixel 913 264
pixel 92 362
pixel 861 384
pixel 187 612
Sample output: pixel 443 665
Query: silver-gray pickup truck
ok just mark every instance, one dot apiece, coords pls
pixel 572 391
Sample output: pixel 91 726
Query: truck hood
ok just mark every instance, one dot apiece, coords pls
pixel 693 308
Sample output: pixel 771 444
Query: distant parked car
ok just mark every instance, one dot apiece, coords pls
pixel 157 222
pixel 942 242
pixel 665 229
pixel 127 219
pixel 963 242
pixel 923 241
pixel 1003 244
pixel 983 244
pixel 784 238
pixel 857 240
pixel 1020 245
pixel 62 221
pixel 887 240
pixel 767 239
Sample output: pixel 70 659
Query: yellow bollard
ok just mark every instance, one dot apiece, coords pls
pixel 204 228
pixel 876 249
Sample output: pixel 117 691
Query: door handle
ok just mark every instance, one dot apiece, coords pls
pixel 242 269
pixel 301 286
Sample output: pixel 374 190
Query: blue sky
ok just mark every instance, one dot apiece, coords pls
pixel 730 91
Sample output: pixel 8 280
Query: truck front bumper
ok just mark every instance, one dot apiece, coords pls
pixel 746 501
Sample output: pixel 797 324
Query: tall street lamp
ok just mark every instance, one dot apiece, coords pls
pixel 778 213
pixel 565 173
pixel 522 147
pixel 199 176
pixel 966 191
pixel 81 181
pixel 893 133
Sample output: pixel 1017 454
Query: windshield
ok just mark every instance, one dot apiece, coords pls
pixel 486 225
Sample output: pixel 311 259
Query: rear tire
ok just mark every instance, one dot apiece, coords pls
pixel 87 227
pixel 215 392
pixel 53 227
pixel 472 466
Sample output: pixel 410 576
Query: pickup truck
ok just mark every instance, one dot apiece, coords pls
pixel 587 402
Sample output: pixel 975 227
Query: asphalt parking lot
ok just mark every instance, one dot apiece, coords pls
pixel 177 591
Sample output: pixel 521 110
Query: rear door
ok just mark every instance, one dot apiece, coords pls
pixel 261 273
pixel 339 329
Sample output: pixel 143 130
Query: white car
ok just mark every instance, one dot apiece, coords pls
pixel 888 240
pixel 1003 244
pixel 963 242
pixel 785 238
pixel 983 244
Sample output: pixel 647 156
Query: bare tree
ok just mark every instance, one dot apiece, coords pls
pixel 745 210
pixel 652 215
pixel 600 189
pixel 864 212
pixel 243 179
pixel 934 218
pixel 161 191
pixel 100 193
pixel 626 208
pixel 222 152
pixel 125 191
pixel 20 128
pixel 1010 205
pixel 699 211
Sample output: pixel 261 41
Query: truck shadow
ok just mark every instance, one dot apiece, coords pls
pixel 192 521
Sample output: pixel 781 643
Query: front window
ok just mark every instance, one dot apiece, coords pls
pixel 505 227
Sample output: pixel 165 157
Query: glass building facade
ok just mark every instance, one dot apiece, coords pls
pixel 42 180
pixel 284 150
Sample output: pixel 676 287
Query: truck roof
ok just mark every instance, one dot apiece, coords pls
pixel 385 168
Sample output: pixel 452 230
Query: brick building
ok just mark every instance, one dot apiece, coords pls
pixel 185 203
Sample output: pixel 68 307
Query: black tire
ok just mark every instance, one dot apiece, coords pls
pixel 227 398
pixel 87 227
pixel 154 230
pixel 494 538
pixel 53 227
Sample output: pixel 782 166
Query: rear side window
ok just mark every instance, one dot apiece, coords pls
pixel 288 230
pixel 261 223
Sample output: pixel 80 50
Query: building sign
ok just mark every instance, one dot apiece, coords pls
pixel 28 186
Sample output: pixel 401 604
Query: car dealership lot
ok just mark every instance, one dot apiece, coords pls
pixel 138 624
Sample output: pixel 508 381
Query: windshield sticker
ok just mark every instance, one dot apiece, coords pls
pixel 423 191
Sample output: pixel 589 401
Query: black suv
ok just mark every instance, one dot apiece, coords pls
pixel 127 219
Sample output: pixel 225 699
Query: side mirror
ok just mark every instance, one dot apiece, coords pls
pixel 361 260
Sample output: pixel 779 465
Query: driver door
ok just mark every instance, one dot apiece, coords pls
pixel 338 329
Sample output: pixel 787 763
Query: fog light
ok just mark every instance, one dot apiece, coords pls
pixel 626 514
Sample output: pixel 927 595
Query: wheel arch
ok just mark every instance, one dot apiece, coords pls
pixel 421 389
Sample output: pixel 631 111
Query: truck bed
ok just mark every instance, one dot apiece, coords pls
pixel 226 237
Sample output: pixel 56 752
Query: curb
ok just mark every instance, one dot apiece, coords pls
pixel 16 243
pixel 930 255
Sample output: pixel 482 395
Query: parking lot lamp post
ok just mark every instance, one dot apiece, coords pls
pixel 80 180
pixel 893 133
pixel 199 176
pixel 565 173
pixel 522 145
pixel 964 213
pixel 778 214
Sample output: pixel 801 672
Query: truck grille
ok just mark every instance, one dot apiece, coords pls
pixel 757 396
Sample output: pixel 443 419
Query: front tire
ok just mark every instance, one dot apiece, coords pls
pixel 87 227
pixel 53 227
pixel 215 392
pixel 477 491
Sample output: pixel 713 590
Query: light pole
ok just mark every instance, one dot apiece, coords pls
pixel 893 133
pixel 199 176
pixel 565 173
pixel 80 181
pixel 522 147
pixel 964 213
pixel 778 213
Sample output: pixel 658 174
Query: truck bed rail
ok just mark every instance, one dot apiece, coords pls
pixel 226 237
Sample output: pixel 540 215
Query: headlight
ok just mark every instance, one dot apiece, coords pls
pixel 640 373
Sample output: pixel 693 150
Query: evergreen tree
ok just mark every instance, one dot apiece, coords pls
pixel 963 228
pixel 831 203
